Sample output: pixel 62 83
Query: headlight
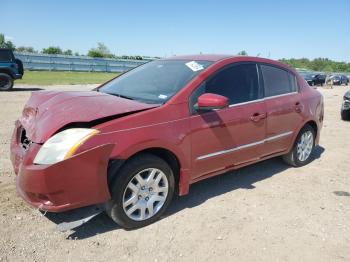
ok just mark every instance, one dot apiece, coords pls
pixel 63 145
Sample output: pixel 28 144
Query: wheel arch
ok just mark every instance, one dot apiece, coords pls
pixel 6 71
pixel 167 155
pixel 314 126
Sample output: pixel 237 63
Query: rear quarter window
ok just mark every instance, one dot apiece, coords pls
pixel 5 55
pixel 277 81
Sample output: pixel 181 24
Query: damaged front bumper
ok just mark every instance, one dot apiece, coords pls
pixel 75 182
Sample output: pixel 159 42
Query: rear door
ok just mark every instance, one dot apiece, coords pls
pixel 230 136
pixel 283 106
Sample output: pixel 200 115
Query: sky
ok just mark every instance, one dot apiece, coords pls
pixel 274 29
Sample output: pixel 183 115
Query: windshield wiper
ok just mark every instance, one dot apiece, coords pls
pixel 122 96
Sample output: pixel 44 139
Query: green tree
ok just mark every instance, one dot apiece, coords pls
pixel 68 52
pixel 2 40
pixel 27 49
pixel 52 50
pixel 243 52
pixel 6 44
pixel 100 51
pixel 318 64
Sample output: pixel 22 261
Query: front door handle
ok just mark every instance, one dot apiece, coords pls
pixel 257 117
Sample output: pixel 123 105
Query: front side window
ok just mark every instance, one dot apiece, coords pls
pixel 239 83
pixel 277 81
pixel 155 82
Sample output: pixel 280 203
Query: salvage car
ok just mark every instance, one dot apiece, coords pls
pixel 135 141
pixel 345 108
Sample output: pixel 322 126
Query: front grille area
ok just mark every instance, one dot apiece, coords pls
pixel 24 140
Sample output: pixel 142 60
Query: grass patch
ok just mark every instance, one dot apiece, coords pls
pixel 64 78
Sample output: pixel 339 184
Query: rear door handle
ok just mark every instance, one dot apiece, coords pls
pixel 257 117
pixel 298 107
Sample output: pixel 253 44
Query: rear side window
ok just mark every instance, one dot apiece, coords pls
pixel 277 81
pixel 5 55
pixel 239 83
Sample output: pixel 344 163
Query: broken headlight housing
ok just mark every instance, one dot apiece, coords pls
pixel 63 145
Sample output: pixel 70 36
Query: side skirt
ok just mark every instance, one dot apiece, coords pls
pixel 230 168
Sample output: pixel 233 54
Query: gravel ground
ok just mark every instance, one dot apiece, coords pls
pixel 264 212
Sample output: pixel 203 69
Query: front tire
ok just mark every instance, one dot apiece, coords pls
pixel 303 147
pixel 141 191
pixel 345 115
pixel 6 82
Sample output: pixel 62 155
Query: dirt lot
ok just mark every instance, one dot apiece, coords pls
pixel 265 212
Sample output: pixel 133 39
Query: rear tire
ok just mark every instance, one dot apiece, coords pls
pixel 301 152
pixel 138 197
pixel 6 82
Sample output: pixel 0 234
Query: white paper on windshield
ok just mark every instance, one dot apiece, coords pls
pixel 194 66
pixel 162 96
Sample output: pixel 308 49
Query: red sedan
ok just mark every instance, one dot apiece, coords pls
pixel 148 133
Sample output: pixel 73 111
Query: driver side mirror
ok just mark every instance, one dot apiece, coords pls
pixel 209 101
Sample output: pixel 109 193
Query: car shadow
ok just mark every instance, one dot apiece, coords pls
pixel 200 192
pixel 20 89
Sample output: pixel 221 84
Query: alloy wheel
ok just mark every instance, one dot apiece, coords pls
pixel 145 194
pixel 305 145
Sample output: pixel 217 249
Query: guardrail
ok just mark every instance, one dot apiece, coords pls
pixel 76 63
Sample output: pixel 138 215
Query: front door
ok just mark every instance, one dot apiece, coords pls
pixel 230 136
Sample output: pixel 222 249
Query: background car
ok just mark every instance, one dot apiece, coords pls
pixel 314 79
pixel 10 69
pixel 319 79
pixel 345 108
pixel 308 78
pixel 340 80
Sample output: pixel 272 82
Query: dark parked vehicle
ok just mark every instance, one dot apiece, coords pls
pixel 314 79
pixel 308 78
pixel 10 69
pixel 345 108
pixel 340 80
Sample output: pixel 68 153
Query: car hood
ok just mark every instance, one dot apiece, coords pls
pixel 46 112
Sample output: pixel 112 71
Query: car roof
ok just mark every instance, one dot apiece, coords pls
pixel 239 58
pixel 218 57
pixel 202 57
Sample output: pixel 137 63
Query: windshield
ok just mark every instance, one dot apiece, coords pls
pixel 155 82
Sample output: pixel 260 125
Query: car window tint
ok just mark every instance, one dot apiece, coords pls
pixel 277 81
pixel 293 83
pixel 5 55
pixel 239 83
